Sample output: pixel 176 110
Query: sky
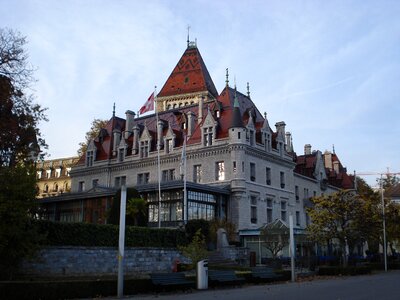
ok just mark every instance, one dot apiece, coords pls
pixel 329 69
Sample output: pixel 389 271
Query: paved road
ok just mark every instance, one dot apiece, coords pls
pixel 382 286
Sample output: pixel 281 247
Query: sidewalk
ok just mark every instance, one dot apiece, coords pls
pixel 382 286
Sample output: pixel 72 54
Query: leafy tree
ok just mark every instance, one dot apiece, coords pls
pixel 196 250
pixel 344 217
pixel 275 237
pixel 136 211
pixel 388 181
pixel 20 137
pixel 96 126
pixel 136 208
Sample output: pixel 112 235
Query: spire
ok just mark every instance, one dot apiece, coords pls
pixel 227 77
pixel 248 90
pixel 188 29
pixel 236 115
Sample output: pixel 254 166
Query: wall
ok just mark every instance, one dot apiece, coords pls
pixel 78 261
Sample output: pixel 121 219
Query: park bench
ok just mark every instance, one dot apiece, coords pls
pixel 216 277
pixel 170 280
pixel 262 274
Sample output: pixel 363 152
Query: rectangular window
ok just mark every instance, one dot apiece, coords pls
pixel 252 172
pixel 269 210
pixel 283 211
pixel 89 158
pixel 308 221
pixel 197 173
pixel 81 186
pixel 296 191
pixel 143 178
pixel 251 137
pixel 314 194
pixel 234 167
pixel 306 193
pixel 253 209
pixel 168 175
pixel 220 171
pixel 119 181
pixel 121 154
pixel 297 218
pixel 95 183
pixel 268 176
pixel 208 136
pixel 144 149
pixel 282 180
pixel 168 145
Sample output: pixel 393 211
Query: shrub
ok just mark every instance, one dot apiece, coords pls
pixel 93 235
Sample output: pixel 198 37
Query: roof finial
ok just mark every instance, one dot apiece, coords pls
pixel 227 77
pixel 188 29
pixel 234 80
pixel 248 90
pixel 114 110
pixel 333 148
pixel 265 115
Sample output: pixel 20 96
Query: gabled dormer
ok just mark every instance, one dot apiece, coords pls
pixel 209 130
pixel 91 152
pixel 266 134
pixel 169 140
pixel 145 143
pixel 122 150
pixel 251 130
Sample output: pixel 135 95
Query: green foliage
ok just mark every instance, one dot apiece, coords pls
pixel 94 235
pixel 388 181
pixel 196 250
pixel 19 237
pixel 96 126
pixel 345 217
pixel 136 210
pixel 193 226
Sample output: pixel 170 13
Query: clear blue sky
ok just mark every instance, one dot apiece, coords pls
pixel 329 69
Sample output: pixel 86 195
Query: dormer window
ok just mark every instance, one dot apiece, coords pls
pixel 169 145
pixel 208 136
pixel 121 154
pixel 144 149
pixel 251 136
pixel 89 158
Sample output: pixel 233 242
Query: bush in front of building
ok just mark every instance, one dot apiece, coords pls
pixel 93 235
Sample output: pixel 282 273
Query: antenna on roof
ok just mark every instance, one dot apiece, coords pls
pixel 227 77
pixel 188 30
pixel 248 90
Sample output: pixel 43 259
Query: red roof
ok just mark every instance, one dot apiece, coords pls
pixel 190 75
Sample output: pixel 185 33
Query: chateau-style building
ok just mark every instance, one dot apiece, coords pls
pixel 237 167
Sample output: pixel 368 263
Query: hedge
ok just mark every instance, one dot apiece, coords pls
pixel 351 270
pixel 93 235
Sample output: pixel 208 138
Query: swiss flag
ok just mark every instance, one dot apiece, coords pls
pixel 149 105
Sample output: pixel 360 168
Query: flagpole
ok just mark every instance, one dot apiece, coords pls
pixel 185 208
pixel 158 160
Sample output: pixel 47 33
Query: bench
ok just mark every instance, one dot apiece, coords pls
pixel 224 277
pixel 170 280
pixel 259 274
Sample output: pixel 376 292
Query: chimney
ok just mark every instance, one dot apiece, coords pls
pixel 280 127
pixel 200 114
pixel 135 146
pixel 130 116
pixel 289 145
pixel 307 149
pixel 336 166
pixel 328 160
pixel 117 139
pixel 191 125
pixel 160 127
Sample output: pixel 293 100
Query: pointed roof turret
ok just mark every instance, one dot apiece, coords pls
pixel 190 75
pixel 236 116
